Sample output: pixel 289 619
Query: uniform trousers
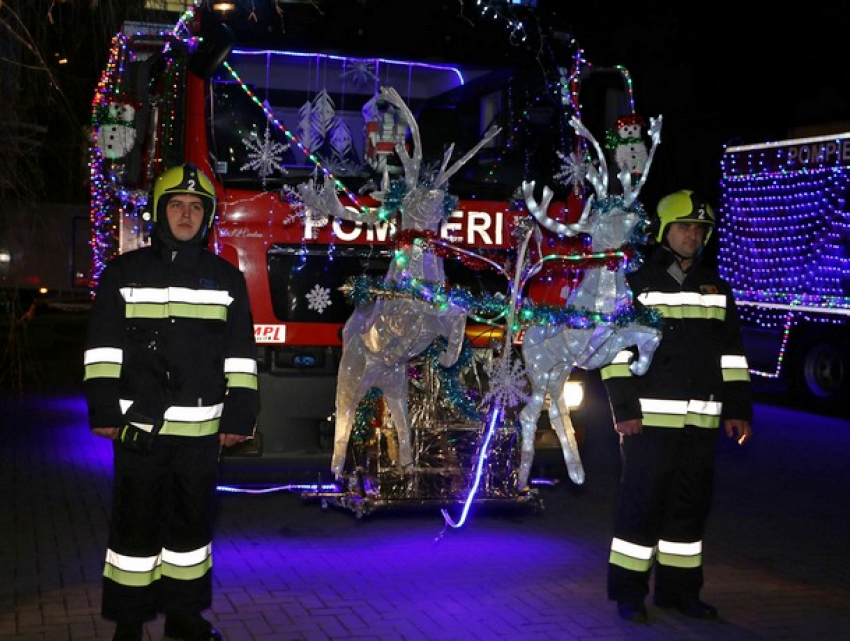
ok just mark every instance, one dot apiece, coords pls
pixel 163 504
pixel 665 495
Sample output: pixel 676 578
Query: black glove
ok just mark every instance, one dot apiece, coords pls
pixel 134 439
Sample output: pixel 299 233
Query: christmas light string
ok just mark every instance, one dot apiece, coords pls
pixel 291 136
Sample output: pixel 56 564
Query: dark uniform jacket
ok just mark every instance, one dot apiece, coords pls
pixel 171 341
pixel 699 373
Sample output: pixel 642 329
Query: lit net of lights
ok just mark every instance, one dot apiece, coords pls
pixel 784 231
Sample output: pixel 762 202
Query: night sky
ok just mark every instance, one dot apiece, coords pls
pixel 720 77
pixel 716 75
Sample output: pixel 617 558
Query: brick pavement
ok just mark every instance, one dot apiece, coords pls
pixel 776 553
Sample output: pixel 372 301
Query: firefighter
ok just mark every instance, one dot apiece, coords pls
pixel 171 378
pixel 668 419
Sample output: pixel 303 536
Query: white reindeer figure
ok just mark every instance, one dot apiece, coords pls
pixel 551 352
pixel 379 339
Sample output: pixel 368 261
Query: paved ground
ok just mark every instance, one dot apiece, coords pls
pixel 777 555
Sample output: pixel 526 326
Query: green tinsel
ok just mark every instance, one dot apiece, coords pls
pixel 365 415
pixel 394 199
pixel 450 377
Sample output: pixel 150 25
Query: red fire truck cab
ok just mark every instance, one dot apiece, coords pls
pixel 262 110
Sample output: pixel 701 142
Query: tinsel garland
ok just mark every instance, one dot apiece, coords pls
pixel 396 193
pixel 450 377
pixel 367 416
pixel 579 318
pixel 362 290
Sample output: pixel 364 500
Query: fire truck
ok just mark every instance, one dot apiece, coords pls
pixel 262 109
pixel 784 236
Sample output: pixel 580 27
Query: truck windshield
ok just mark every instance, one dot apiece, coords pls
pixel 274 115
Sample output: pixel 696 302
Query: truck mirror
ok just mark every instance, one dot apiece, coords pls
pixel 216 43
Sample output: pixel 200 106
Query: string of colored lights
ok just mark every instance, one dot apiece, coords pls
pixel 292 137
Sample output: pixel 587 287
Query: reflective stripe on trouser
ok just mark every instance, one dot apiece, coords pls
pixel 665 495
pixel 160 538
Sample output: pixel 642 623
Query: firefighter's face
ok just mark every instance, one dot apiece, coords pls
pixel 185 216
pixel 686 239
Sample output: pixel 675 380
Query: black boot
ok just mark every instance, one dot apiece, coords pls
pixel 691 607
pixel 190 627
pixel 128 631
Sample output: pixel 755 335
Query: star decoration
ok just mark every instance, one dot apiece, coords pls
pixel 266 156
pixel 319 299
pixel 507 382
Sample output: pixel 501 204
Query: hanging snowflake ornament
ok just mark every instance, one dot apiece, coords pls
pixel 361 72
pixel 319 298
pixel 573 170
pixel 507 382
pixel 266 155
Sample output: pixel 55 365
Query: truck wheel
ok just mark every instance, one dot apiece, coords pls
pixel 823 374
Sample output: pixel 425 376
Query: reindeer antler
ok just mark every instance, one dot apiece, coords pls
pixel 413 163
pixel 539 211
pixel 444 175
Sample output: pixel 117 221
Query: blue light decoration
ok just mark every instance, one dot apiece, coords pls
pixel 784 233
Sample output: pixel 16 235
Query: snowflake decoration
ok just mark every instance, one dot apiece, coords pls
pixel 266 156
pixel 362 72
pixel 319 298
pixel 573 170
pixel 507 382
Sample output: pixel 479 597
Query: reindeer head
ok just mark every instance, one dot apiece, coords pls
pixel 610 220
pixel 423 205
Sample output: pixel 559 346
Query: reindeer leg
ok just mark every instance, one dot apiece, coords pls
pixel 647 342
pixel 351 386
pixel 528 424
pixel 395 392
pixel 455 336
pixel 559 417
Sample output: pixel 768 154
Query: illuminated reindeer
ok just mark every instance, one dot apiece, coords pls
pixel 603 297
pixel 379 339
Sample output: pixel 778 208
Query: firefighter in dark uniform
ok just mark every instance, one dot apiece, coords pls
pixel 668 419
pixel 171 377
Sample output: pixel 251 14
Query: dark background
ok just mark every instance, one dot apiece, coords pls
pixel 718 74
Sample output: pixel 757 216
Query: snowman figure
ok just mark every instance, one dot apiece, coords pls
pixel 628 144
pixel 117 133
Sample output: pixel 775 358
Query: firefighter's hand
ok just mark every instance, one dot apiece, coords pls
pixel 229 440
pixel 106 432
pixel 630 427
pixel 739 430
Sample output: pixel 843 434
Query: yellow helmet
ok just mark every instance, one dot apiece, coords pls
pixel 184 179
pixel 684 206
